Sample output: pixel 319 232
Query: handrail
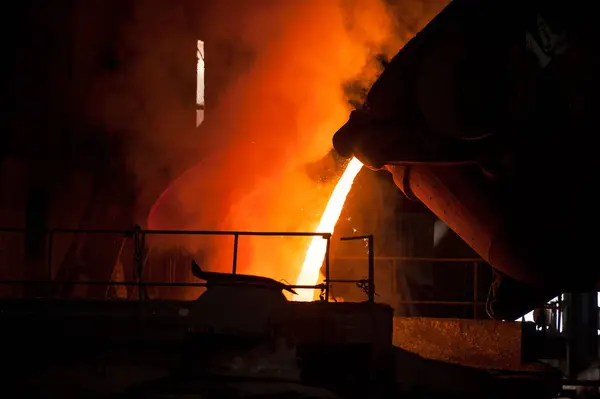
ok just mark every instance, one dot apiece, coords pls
pixel 168 232
pixel 133 283
pixel 370 287
pixel 239 233
pixel 139 235
pixel 66 230
pixel 139 239
pixel 412 259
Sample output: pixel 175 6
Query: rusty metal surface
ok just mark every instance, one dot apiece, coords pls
pixel 329 322
pixel 483 344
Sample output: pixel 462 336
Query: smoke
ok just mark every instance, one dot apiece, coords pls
pixel 279 71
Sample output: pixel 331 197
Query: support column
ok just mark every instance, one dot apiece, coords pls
pixel 581 325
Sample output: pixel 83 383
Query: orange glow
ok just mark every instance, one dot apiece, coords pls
pixel 279 76
pixel 309 274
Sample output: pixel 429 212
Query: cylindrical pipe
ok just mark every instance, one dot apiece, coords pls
pixel 451 197
pixel 517 248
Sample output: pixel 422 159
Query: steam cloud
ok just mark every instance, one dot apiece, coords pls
pixel 276 97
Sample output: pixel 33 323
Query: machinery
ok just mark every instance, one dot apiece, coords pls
pixel 487 117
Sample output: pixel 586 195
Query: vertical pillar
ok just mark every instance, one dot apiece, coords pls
pixel 581 327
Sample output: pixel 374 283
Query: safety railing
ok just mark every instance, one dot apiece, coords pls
pixel 139 237
pixel 236 236
pixel 367 285
pixel 476 304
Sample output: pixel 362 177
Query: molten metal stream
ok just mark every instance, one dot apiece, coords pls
pixel 311 268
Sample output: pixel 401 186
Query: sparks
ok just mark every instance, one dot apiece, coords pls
pixel 309 274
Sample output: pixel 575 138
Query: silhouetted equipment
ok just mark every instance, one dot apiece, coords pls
pixel 241 279
pixel 488 117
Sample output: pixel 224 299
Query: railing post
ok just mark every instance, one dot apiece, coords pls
pixel 49 262
pixel 327 265
pixel 142 287
pixel 371 245
pixel 371 259
pixel 475 289
pixel 236 239
pixel 139 244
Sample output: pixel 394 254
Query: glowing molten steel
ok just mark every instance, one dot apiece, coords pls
pixel 309 275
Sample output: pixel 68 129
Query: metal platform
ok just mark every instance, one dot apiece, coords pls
pixel 113 345
pixel 352 349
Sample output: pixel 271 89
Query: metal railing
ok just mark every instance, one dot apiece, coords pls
pixel 139 236
pixel 475 303
pixel 369 284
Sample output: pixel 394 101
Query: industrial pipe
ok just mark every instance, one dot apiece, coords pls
pixel 471 86
pixel 459 199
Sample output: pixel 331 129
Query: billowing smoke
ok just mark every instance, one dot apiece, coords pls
pixel 282 70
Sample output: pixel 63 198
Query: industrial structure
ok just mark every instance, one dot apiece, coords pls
pixel 243 337
pixel 477 119
pixel 470 118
